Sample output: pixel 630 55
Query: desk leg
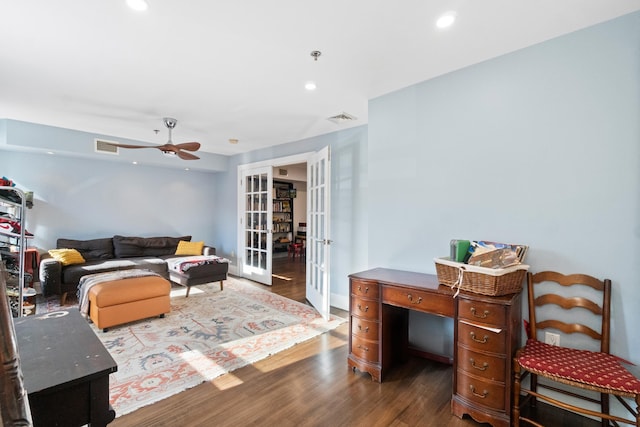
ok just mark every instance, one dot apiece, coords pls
pixel 100 412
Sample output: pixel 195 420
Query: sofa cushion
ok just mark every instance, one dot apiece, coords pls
pixel 125 247
pixel 73 273
pixel 89 249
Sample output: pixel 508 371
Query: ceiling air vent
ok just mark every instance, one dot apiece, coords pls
pixel 342 118
pixel 103 146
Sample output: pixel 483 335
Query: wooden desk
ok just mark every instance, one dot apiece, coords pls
pixel 66 370
pixel 486 336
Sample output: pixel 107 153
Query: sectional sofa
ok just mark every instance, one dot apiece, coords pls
pixel 60 273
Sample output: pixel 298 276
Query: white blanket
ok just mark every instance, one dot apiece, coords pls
pixel 183 264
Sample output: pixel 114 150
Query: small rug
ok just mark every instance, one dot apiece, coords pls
pixel 206 335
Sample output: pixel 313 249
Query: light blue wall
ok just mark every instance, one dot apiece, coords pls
pixel 540 147
pixel 88 198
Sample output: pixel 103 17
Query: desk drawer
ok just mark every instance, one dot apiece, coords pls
pixel 483 392
pixel 364 328
pixel 364 349
pixel 365 308
pixel 481 365
pixel 433 303
pixel 478 311
pixel 365 288
pixel 480 339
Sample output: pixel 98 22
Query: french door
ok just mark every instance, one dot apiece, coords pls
pixel 318 241
pixel 256 240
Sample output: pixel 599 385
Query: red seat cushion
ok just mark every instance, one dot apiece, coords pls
pixel 583 366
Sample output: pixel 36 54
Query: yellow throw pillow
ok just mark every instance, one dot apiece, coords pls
pixel 67 256
pixel 189 248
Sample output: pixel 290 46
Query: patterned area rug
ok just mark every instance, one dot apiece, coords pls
pixel 206 335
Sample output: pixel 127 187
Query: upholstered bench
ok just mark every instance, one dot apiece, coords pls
pixel 197 270
pixel 125 300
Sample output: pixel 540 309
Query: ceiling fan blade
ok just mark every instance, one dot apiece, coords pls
pixel 189 146
pixel 187 156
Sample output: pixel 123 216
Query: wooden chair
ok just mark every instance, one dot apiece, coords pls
pixel 597 370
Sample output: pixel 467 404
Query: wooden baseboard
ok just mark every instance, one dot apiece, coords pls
pixel 431 356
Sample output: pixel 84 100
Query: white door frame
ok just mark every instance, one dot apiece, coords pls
pixel 280 161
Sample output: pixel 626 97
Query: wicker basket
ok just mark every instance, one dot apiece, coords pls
pixel 481 280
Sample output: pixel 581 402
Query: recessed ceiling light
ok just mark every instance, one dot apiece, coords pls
pixel 310 86
pixel 233 141
pixel 138 4
pixel 446 20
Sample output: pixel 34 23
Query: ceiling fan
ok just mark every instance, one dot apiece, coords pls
pixel 170 149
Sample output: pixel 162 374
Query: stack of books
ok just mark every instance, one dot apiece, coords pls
pixel 483 253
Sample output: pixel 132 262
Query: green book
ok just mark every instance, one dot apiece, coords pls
pixel 462 248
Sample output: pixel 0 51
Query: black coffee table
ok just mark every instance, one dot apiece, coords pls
pixel 66 370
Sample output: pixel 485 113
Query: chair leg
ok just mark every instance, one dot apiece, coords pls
pixel 604 406
pixel 515 409
pixel 63 298
pixel 188 290
pixel 221 285
pixel 534 388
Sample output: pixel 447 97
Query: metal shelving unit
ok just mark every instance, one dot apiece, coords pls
pixel 13 245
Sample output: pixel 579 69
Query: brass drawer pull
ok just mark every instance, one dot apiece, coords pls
pixel 365 329
pixel 482 341
pixel 479 316
pixel 484 366
pixel 361 347
pixel 418 301
pixel 366 308
pixel 366 290
pixel 481 396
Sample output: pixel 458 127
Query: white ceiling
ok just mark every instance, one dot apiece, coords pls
pixel 236 68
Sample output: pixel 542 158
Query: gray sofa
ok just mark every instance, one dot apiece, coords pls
pixel 123 253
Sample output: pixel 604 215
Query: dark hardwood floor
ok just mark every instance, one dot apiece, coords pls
pixel 311 385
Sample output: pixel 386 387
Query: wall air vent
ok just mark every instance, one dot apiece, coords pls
pixel 342 118
pixel 283 172
pixel 103 146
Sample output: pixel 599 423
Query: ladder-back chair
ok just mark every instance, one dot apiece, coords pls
pixel 597 370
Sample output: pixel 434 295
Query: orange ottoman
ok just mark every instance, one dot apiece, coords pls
pixel 125 300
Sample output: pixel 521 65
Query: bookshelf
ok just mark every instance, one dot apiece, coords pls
pixel 282 215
